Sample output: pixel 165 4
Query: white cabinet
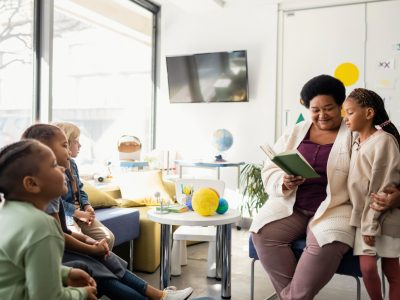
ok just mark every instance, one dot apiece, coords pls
pixel 316 41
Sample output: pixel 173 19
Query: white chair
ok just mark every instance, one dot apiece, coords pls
pixel 194 233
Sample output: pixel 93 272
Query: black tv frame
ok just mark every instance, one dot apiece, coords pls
pixel 211 77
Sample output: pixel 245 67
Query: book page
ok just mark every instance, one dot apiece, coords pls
pixel 268 150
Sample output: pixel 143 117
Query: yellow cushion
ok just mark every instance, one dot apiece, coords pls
pixel 142 186
pixel 98 198
pixel 129 203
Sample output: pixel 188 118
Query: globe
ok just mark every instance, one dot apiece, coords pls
pixel 223 206
pixel 222 139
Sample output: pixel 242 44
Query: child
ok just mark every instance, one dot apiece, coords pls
pixel 31 242
pixel 375 163
pixel 109 271
pixel 78 211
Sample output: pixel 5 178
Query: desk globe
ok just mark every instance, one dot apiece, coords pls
pixel 222 141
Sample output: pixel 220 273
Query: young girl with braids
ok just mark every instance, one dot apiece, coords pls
pixel 109 270
pixel 31 242
pixel 375 164
pixel 79 213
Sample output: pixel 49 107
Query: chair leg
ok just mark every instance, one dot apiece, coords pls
pixel 383 281
pixel 131 245
pixel 176 258
pixel 358 287
pixel 211 261
pixel 252 280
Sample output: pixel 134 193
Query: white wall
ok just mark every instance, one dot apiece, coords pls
pixel 250 25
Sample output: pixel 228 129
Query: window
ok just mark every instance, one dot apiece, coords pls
pixel 102 73
pixel 16 68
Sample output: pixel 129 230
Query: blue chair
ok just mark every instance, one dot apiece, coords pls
pixel 349 266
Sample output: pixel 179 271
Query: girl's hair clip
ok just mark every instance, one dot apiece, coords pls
pixel 2 200
pixel 385 123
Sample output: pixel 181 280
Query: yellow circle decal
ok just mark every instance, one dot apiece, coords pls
pixel 347 73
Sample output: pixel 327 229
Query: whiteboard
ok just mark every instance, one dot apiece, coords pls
pixel 383 54
pixel 316 41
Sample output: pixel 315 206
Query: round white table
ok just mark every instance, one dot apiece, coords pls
pixel 224 239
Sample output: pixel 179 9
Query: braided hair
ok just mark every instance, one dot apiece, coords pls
pixel 368 98
pixel 16 162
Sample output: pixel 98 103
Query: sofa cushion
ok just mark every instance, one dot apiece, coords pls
pixel 98 198
pixel 141 187
pixel 123 222
pixel 129 203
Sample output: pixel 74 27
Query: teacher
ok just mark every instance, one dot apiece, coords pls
pixel 318 209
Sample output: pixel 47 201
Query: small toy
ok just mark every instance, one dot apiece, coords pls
pixel 222 206
pixel 205 201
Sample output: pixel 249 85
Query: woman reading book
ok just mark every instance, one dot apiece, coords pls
pixel 316 208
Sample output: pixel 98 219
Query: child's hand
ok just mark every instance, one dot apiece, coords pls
pixel 84 216
pixel 101 249
pixel 89 208
pixel 78 278
pixel 91 293
pixel 369 240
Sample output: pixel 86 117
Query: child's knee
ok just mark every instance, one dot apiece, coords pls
pixel 368 267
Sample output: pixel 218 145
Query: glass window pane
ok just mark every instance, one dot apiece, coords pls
pixel 102 73
pixel 16 68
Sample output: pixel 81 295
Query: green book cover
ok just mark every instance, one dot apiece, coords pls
pixel 291 162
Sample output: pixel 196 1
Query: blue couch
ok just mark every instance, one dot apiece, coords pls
pixel 124 223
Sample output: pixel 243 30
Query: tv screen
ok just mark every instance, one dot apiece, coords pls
pixel 208 77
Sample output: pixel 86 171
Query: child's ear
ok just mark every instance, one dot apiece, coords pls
pixel 30 184
pixel 370 113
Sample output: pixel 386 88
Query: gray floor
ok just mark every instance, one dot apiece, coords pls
pixel 194 274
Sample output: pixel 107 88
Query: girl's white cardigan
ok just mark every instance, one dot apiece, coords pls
pixel 331 220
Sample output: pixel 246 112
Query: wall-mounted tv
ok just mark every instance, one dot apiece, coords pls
pixel 208 77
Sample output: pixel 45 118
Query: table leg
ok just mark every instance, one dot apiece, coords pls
pixel 226 244
pixel 165 265
pixel 218 259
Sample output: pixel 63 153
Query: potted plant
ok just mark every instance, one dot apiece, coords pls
pixel 252 190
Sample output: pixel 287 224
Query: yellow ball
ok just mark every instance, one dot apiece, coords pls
pixel 205 201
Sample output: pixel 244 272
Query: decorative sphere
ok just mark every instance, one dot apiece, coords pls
pixel 222 139
pixel 205 201
pixel 222 206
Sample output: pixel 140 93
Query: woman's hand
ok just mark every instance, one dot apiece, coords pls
pixel 369 240
pixel 382 202
pixel 290 182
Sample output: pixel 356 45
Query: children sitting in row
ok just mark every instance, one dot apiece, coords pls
pixel 109 271
pixel 31 242
pixel 79 213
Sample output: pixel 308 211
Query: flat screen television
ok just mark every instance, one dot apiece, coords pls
pixel 208 77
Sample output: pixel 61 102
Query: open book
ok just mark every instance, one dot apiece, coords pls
pixel 291 162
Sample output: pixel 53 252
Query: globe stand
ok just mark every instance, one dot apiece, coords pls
pixel 218 158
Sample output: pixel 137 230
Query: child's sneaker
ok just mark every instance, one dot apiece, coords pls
pixel 173 294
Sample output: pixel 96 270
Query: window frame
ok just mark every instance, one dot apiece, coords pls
pixel 43 65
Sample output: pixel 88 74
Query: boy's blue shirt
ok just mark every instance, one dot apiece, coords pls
pixel 68 198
